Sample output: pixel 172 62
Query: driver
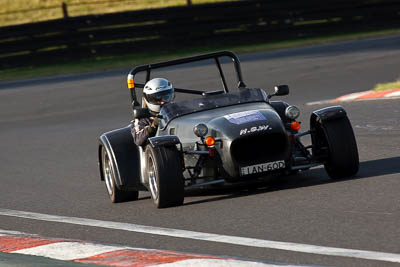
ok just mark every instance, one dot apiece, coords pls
pixel 156 92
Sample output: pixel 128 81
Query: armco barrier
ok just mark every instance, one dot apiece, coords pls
pixel 189 26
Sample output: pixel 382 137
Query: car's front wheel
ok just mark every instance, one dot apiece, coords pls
pixel 164 169
pixel 342 154
pixel 109 168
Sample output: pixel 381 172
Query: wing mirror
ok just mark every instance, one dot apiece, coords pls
pixel 139 113
pixel 280 90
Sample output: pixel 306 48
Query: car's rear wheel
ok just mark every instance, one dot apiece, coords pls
pixel 342 154
pixel 166 183
pixel 109 168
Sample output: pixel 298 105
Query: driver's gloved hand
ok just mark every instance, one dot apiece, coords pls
pixel 155 123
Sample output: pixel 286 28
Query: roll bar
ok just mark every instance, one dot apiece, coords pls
pixel 132 85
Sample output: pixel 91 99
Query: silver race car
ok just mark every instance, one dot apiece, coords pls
pixel 221 136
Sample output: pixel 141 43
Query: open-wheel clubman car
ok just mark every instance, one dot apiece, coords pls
pixel 220 136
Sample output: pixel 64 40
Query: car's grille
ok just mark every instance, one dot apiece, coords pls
pixel 260 148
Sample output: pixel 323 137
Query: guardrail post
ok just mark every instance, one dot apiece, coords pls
pixel 64 10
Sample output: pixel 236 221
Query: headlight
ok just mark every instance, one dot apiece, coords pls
pixel 200 130
pixel 292 112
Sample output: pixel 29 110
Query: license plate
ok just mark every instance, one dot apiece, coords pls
pixel 263 167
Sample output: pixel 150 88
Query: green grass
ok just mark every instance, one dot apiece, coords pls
pixel 119 62
pixel 387 86
pixel 14 12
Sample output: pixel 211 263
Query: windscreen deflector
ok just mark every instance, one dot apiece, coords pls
pixel 171 111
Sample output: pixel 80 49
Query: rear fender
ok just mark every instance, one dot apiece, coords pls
pixel 126 156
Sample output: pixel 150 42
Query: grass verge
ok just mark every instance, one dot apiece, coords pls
pixel 119 62
pixel 387 86
pixel 13 12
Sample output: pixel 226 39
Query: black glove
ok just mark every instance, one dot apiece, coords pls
pixel 152 128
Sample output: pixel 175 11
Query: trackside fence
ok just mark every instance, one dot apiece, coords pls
pixel 227 23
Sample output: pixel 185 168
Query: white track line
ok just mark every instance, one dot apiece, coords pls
pixel 235 240
pixel 350 97
pixel 394 94
pixel 67 250
pixel 223 263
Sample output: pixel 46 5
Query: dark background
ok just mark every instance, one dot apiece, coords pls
pixel 174 28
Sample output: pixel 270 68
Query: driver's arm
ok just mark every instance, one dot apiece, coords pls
pixel 141 130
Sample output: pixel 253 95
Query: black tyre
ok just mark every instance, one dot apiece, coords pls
pixel 342 159
pixel 166 183
pixel 109 170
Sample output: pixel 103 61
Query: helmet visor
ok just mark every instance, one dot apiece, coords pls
pixel 160 98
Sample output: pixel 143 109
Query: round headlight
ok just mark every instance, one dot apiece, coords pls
pixel 292 112
pixel 200 130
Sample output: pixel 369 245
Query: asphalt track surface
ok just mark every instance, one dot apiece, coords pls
pixel 48 145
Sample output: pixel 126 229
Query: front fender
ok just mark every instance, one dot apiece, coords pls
pixel 165 140
pixel 318 126
pixel 328 113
